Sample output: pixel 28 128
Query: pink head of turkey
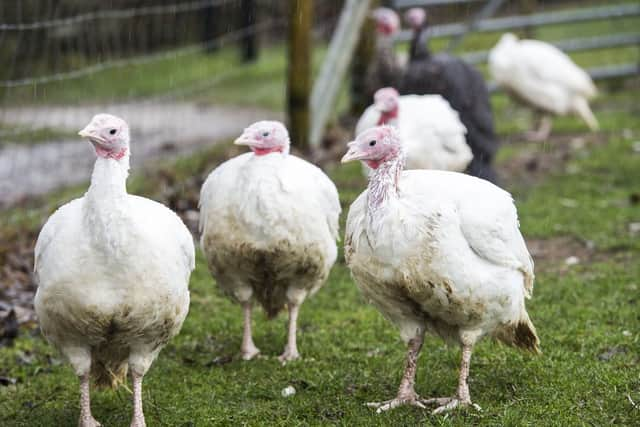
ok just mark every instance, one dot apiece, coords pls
pixel 265 137
pixel 375 146
pixel 109 136
pixel 386 100
pixel 387 21
pixel 415 18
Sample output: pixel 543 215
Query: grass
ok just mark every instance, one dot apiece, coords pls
pixel 217 77
pixel 149 79
pixel 586 316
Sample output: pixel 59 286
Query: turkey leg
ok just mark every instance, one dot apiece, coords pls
pixel 86 419
pixel 138 415
pixel 291 349
pixel 463 398
pixel 406 392
pixel 543 131
pixel 248 349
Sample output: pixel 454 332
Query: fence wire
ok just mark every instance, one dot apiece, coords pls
pixel 173 120
pixel 168 9
pixel 144 59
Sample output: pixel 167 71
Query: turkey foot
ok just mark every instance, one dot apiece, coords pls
pixel 249 352
pixel 462 398
pixel 410 398
pixel 406 392
pixel 449 403
pixel 88 421
pixel 289 355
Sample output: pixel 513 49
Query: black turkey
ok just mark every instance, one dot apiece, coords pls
pixel 460 84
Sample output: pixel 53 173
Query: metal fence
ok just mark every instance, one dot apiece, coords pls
pixel 324 93
pixel 510 23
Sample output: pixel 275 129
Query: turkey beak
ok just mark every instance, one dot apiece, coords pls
pixel 244 140
pixel 88 132
pixel 92 133
pixel 352 154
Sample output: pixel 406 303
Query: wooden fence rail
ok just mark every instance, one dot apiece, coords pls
pixel 401 4
pixel 573 45
pixel 533 20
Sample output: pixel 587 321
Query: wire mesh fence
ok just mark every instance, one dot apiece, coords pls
pixel 169 68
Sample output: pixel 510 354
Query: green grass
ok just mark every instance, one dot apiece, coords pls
pixel 154 78
pixel 351 355
pixel 217 77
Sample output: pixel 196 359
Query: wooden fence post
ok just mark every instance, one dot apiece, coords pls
pixel 299 71
pixel 365 50
pixel 210 26
pixel 248 42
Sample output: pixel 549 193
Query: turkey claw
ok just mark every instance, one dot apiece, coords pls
pixel 448 403
pixel 394 403
pixel 288 356
pixel 250 354
pixel 88 422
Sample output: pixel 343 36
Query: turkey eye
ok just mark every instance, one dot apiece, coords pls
pixel 372 143
pixel 112 131
pixel 265 134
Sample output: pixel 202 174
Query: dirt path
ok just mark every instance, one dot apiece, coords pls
pixel 158 131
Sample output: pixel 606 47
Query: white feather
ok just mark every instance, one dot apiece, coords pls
pixel 113 272
pixel 542 75
pixel 444 254
pixel 277 209
pixel 431 131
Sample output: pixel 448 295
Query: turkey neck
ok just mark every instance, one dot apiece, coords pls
pixel 106 200
pixel 420 45
pixel 109 179
pixel 383 185
pixel 385 54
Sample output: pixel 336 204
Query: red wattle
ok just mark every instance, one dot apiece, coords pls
pixel 373 164
pixel 264 151
pixel 387 116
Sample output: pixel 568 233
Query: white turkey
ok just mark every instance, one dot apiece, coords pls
pixel 269 224
pixel 545 78
pixel 113 272
pixel 440 252
pixel 432 133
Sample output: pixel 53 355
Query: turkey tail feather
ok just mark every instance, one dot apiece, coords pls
pixel 521 334
pixel 581 107
pixel 106 375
